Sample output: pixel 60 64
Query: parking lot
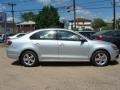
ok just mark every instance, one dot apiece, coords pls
pixel 57 76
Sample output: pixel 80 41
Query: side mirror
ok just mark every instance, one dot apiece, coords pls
pixel 83 40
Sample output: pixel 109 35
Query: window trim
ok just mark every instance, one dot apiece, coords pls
pixel 44 31
pixel 57 35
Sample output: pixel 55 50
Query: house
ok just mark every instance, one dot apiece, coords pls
pixel 81 23
pixel 26 26
pixel 8 25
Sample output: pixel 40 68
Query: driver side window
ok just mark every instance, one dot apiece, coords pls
pixel 68 36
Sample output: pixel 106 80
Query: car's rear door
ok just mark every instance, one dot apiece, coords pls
pixel 47 44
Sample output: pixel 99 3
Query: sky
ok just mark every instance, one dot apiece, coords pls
pixel 88 9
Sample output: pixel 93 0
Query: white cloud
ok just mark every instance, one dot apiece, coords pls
pixel 52 2
pixel 10 19
pixel 81 12
pixel 44 2
pixel 2 7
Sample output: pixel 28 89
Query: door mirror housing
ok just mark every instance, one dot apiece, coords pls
pixel 83 40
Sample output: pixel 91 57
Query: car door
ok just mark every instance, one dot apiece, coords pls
pixel 47 44
pixel 70 46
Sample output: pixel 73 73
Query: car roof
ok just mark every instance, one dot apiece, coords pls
pixel 105 31
pixel 54 29
pixel 86 31
pixel 29 34
pixel 51 29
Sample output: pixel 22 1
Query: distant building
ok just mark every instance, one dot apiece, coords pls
pixel 9 27
pixel 26 26
pixel 81 23
pixel 4 25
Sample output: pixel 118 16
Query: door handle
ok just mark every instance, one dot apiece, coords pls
pixel 61 45
pixel 37 44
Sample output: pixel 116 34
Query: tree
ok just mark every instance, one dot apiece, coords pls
pixel 98 23
pixel 48 17
pixel 118 23
pixel 29 16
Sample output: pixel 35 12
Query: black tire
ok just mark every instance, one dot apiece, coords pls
pixel 103 60
pixel 29 59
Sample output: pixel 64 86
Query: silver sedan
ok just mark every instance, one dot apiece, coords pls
pixel 60 45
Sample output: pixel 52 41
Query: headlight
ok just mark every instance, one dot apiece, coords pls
pixel 114 47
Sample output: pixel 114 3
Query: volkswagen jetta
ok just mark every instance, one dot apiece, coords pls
pixel 60 45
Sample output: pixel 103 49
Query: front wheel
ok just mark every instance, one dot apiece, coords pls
pixel 100 58
pixel 29 59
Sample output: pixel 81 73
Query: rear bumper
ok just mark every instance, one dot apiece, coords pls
pixel 11 53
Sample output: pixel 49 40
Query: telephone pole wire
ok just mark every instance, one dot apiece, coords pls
pixel 114 14
pixel 12 11
pixel 74 10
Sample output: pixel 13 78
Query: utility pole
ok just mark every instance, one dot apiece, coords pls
pixel 74 10
pixel 114 14
pixel 12 11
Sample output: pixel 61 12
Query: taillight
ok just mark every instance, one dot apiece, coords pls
pixel 9 42
pixel 99 37
pixel 8 38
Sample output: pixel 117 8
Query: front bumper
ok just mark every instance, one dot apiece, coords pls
pixel 114 55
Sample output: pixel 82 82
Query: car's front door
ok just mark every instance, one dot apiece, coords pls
pixel 70 46
pixel 47 44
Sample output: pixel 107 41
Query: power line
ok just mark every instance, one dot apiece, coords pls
pixel 91 2
pixel 114 14
pixel 12 11
pixel 18 2
pixel 74 10
pixel 105 7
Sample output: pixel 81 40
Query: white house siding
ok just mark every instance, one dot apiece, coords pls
pixel 84 24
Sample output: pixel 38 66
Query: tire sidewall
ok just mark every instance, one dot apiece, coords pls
pixel 26 65
pixel 97 52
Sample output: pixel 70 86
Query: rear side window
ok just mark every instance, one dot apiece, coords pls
pixel 44 35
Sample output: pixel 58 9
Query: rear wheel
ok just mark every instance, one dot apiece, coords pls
pixel 100 58
pixel 29 59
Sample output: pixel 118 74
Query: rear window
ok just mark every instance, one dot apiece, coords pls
pixel 20 35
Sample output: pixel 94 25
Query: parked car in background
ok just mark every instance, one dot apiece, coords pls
pixel 14 36
pixel 2 38
pixel 87 34
pixel 60 45
pixel 112 36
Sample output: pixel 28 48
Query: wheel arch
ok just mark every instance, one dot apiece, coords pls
pixel 28 50
pixel 99 50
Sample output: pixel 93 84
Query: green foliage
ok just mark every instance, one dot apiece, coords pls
pixel 118 23
pixel 108 26
pixel 98 23
pixel 29 16
pixel 47 18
